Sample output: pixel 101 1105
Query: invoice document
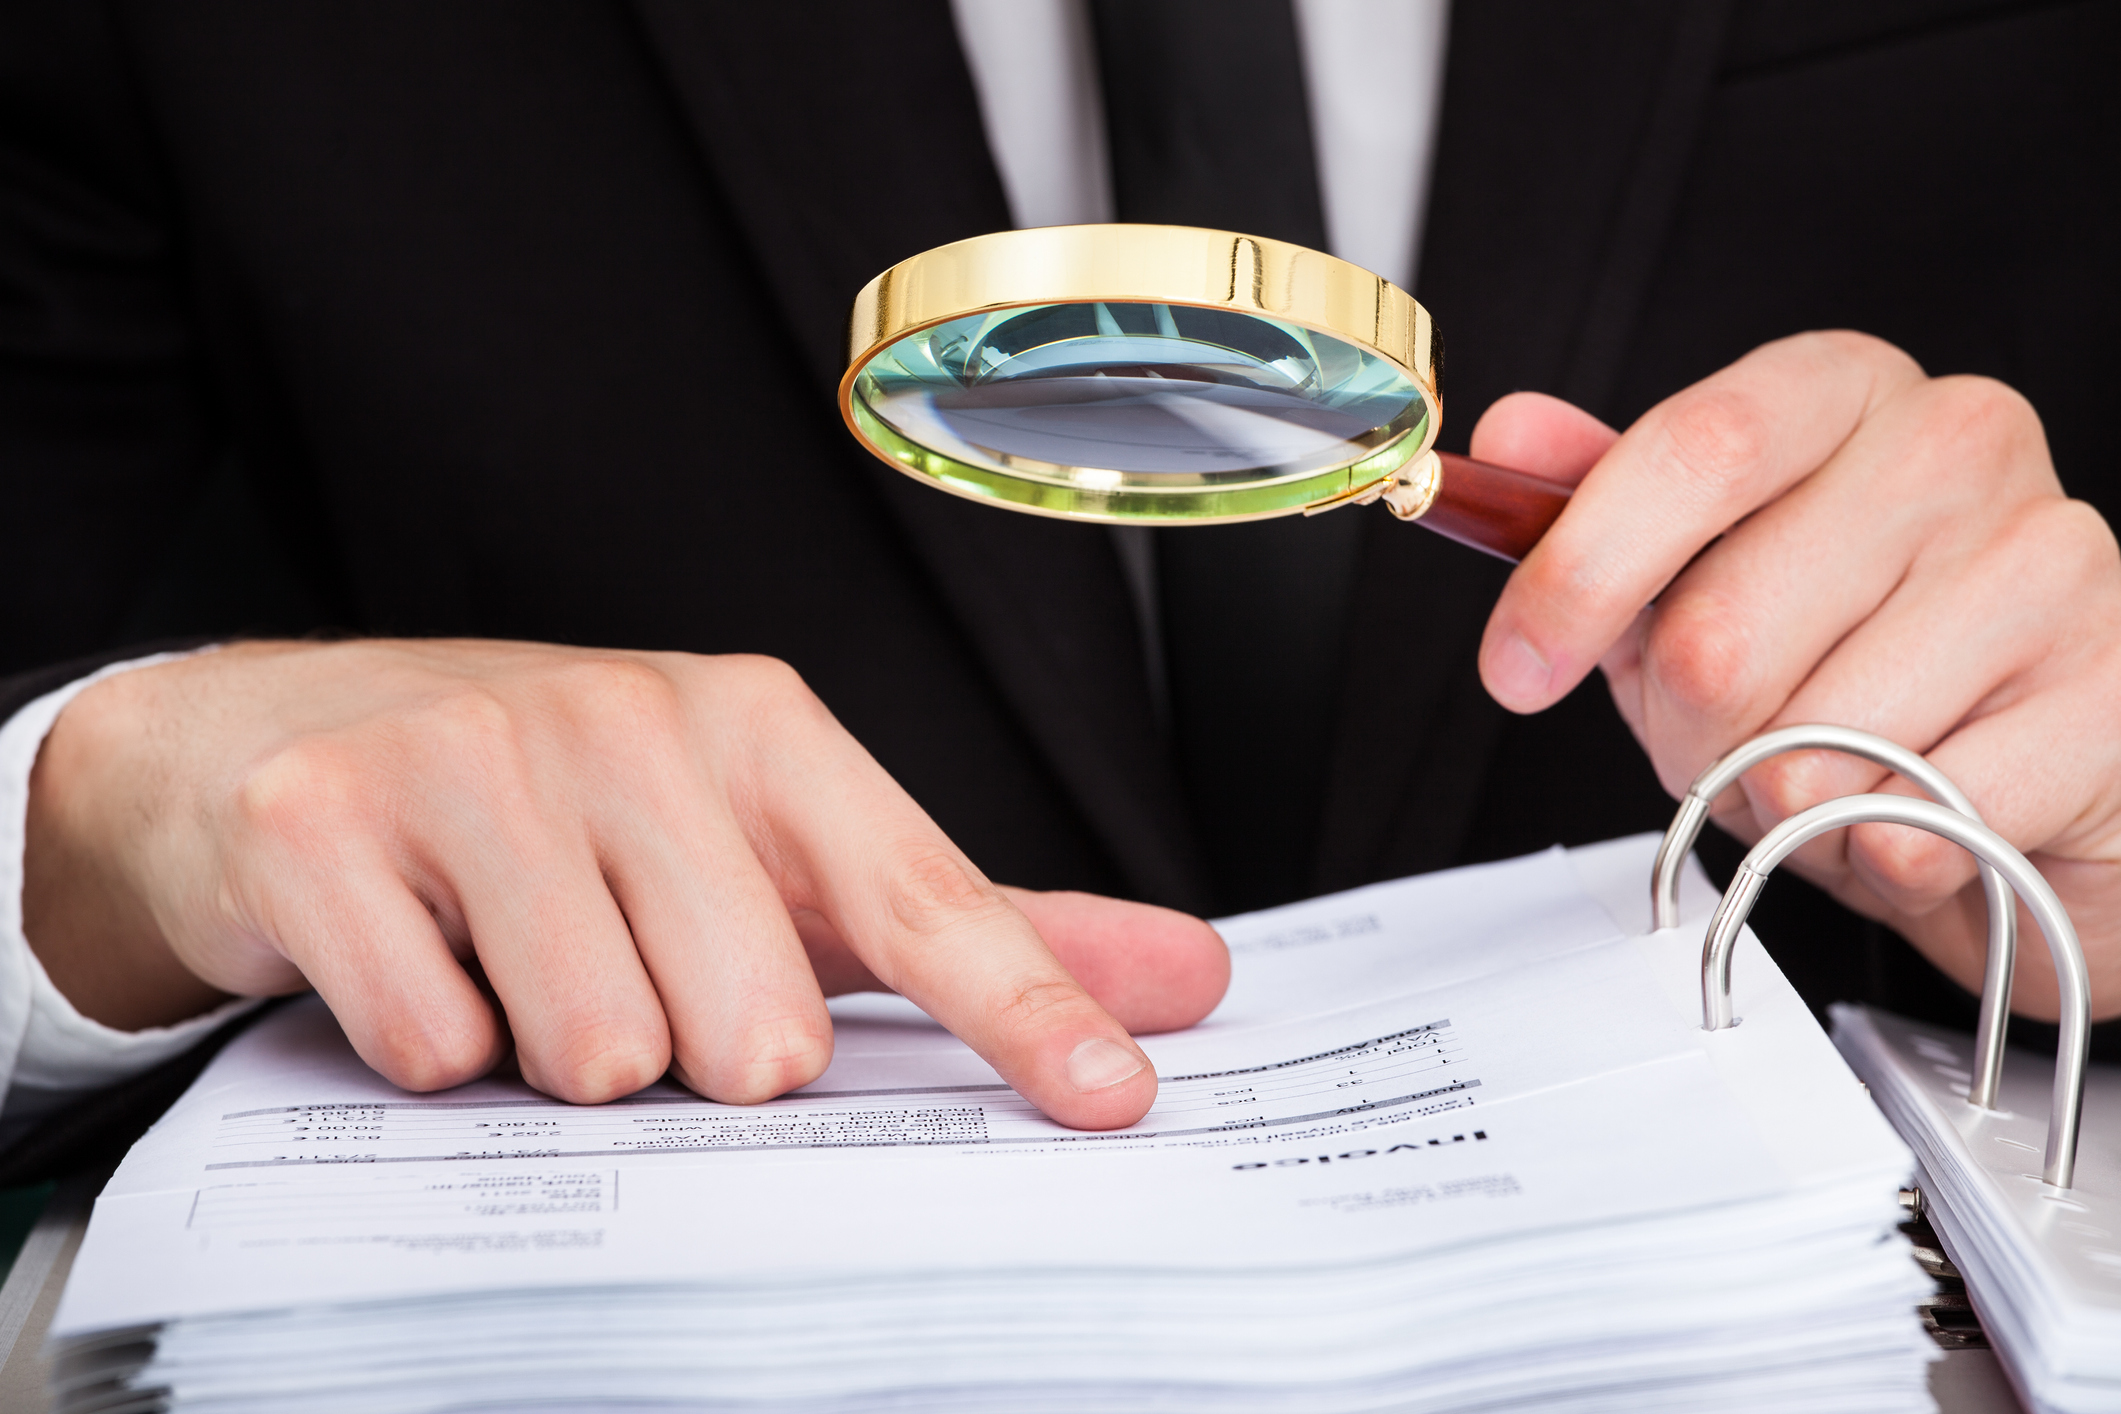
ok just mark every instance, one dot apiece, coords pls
pixel 1404 1069
pixel 1455 1141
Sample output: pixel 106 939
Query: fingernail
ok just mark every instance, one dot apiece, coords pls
pixel 1098 1064
pixel 1517 675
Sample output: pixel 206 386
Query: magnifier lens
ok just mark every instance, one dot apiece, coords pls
pixel 1138 411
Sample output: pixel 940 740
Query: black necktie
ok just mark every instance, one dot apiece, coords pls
pixel 1205 111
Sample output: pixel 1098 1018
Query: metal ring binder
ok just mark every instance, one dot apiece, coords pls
pixel 2073 1052
pixel 1722 774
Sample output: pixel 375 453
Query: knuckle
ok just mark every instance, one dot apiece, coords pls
pixel 767 679
pixel 1987 431
pixel 2062 538
pixel 1911 862
pixel 1840 347
pixel 927 888
pixel 423 1059
pixel 1700 657
pixel 1984 408
pixel 1715 436
pixel 629 711
pixel 599 1062
pixel 767 696
pixel 1028 1005
pixel 298 794
pixel 620 690
pixel 465 727
pixel 773 1056
pixel 1583 577
pixel 1796 780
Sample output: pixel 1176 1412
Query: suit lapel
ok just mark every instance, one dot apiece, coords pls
pixel 1563 145
pixel 1564 139
pixel 1642 216
pixel 839 160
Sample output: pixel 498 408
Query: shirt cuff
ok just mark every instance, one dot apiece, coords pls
pixel 49 1052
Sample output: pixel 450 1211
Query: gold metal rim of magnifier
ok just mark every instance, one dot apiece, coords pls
pixel 1182 265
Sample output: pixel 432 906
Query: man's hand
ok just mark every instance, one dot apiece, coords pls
pixel 622 863
pixel 1895 554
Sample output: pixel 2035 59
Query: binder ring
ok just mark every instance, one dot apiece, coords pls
pixel 1722 774
pixel 2071 1055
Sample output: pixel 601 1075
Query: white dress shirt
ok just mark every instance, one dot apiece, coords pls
pixel 1374 74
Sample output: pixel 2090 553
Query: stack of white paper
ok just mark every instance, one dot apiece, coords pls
pixel 1451 1143
pixel 2042 1265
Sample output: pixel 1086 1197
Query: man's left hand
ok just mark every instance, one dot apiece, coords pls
pixel 1822 533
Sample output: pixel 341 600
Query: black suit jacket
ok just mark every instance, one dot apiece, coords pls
pixel 523 321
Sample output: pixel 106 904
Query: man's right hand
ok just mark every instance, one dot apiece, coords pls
pixel 622 863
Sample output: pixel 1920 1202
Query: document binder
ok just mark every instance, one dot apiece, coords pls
pixel 2040 1251
pixel 2042 1265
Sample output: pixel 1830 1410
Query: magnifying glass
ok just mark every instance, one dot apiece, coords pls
pixel 1168 375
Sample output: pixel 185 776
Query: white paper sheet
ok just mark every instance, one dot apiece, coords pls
pixel 1411 1068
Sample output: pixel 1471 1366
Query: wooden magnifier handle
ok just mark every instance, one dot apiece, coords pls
pixel 1490 508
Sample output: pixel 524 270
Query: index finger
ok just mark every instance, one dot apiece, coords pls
pixel 1688 470
pixel 844 839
